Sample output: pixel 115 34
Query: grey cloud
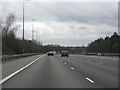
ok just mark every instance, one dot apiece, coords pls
pixel 102 16
pixel 92 13
pixel 83 28
pixel 67 42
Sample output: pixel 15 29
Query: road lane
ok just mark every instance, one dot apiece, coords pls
pixel 104 75
pixel 48 72
pixel 13 65
pixel 19 70
pixel 66 72
pixel 110 61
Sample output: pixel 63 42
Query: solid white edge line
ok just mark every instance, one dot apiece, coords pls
pixel 89 80
pixel 21 69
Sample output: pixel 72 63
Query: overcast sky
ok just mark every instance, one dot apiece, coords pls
pixel 65 23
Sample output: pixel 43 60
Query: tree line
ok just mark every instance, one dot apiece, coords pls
pixel 105 45
pixel 13 45
pixel 10 43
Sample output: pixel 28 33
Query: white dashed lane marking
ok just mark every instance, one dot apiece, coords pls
pixel 71 67
pixel 89 80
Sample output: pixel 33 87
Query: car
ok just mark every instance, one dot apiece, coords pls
pixel 99 54
pixel 64 53
pixel 50 53
pixel 54 52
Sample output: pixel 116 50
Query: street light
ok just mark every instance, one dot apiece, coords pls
pixel 23 16
pixel 23 19
pixel 23 24
pixel 33 28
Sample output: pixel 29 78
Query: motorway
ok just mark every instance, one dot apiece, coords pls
pixel 75 71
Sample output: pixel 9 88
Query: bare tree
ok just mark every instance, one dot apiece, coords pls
pixel 8 27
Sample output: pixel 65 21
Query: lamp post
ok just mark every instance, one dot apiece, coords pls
pixel 23 23
pixel 23 19
pixel 33 29
pixel 23 15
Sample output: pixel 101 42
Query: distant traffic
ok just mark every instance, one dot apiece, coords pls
pixel 62 53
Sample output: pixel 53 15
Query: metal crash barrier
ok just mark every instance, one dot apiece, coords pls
pixel 104 54
pixel 10 57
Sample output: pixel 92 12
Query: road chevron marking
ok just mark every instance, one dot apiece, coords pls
pixel 89 80
pixel 21 69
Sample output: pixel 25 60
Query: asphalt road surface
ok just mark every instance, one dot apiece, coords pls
pixel 75 71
